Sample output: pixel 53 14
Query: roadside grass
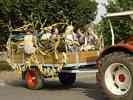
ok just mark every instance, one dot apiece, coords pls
pixel 4 66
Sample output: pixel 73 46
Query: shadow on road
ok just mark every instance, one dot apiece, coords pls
pixel 88 89
pixel 91 90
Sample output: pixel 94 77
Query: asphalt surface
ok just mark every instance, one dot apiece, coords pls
pixel 85 88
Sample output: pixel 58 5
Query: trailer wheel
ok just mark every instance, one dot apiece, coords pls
pixel 116 75
pixel 67 78
pixel 33 79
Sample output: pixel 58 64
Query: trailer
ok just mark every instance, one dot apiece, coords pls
pixel 34 69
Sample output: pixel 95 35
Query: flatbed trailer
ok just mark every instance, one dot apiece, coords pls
pixel 75 61
pixel 47 66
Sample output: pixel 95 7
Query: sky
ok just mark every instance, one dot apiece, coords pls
pixel 101 10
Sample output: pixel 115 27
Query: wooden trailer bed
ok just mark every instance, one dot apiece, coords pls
pixel 17 57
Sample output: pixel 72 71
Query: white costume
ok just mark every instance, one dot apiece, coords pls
pixel 28 44
pixel 46 36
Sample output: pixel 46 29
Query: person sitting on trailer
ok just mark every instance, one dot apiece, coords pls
pixel 71 39
pixel 29 47
pixel 80 36
pixel 90 40
pixel 46 38
pixel 55 40
pixel 55 32
pixel 50 40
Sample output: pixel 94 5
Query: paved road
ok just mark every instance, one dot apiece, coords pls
pixel 84 89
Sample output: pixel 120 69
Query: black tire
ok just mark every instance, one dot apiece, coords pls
pixel 119 59
pixel 33 79
pixel 67 78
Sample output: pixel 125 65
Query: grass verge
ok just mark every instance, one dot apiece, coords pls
pixel 4 66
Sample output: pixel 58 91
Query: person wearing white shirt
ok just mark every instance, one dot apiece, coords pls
pixel 28 43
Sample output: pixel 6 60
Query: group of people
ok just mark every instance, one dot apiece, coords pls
pixel 73 40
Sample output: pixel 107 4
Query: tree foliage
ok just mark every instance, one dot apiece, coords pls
pixel 18 11
pixel 122 26
pixel 15 13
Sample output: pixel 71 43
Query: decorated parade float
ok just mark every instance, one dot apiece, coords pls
pixel 49 53
pixel 37 55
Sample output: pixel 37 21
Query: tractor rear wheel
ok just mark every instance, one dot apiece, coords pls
pixel 116 73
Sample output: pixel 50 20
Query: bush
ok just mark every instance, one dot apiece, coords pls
pixel 4 66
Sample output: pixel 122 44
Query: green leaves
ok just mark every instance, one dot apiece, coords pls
pixel 122 26
pixel 79 12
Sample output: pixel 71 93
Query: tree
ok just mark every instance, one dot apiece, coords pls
pixel 122 26
pixel 15 13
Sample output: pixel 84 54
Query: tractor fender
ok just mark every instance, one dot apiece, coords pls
pixel 127 48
